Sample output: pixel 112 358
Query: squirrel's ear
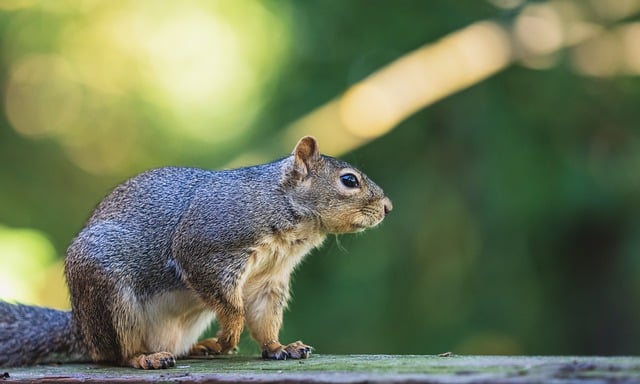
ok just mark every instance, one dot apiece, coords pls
pixel 305 154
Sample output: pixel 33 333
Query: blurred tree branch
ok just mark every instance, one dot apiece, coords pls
pixel 378 103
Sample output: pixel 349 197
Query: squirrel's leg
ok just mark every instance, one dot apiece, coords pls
pixel 231 320
pixel 228 336
pixel 264 304
pixel 219 286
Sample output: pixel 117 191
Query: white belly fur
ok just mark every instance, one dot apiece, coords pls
pixel 172 322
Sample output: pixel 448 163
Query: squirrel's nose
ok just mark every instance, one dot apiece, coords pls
pixel 388 206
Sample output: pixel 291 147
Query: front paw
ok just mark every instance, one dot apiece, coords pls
pixel 206 347
pixel 158 360
pixel 211 346
pixel 277 351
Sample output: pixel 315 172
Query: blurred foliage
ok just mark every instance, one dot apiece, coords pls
pixel 516 222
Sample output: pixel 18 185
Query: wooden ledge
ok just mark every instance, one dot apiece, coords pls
pixel 350 369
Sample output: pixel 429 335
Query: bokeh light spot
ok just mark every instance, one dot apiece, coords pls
pixel 30 273
pixel 631 46
pixel 42 97
pixel 539 31
pixel 599 56
pixel 197 72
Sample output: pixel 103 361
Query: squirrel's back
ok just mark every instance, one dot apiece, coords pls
pixel 159 197
pixel 136 226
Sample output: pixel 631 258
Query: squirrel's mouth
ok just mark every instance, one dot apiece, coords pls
pixel 360 223
pixel 370 217
pixel 361 219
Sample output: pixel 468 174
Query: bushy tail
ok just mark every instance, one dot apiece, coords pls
pixel 31 335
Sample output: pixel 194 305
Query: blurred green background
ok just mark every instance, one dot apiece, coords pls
pixel 516 226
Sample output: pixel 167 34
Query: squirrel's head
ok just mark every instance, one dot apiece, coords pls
pixel 343 198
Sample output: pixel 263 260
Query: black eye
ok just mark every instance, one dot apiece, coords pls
pixel 349 180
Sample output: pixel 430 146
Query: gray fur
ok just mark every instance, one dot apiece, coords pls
pixel 171 229
pixel 30 335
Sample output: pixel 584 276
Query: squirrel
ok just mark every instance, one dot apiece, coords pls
pixel 173 248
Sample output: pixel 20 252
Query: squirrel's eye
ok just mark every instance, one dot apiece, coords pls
pixel 349 180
